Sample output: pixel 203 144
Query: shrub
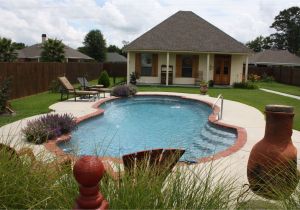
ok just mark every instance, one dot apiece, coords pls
pixel 4 93
pixel 35 132
pixel 54 86
pixel 266 78
pixel 133 78
pixel 124 90
pixel 253 77
pixel 49 127
pixel 245 85
pixel 104 79
pixel 211 83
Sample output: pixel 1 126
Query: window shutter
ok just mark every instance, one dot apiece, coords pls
pixel 178 65
pixel 154 65
pixel 195 66
pixel 138 64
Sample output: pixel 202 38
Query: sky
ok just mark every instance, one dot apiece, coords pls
pixel 70 20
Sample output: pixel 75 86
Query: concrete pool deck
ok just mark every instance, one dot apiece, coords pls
pixel 234 113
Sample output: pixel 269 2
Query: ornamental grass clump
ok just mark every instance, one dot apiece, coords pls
pixel 34 184
pixel 48 127
pixel 124 90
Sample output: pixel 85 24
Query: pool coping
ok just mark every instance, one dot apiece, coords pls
pixel 52 145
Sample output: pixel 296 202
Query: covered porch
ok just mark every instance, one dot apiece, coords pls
pixel 182 68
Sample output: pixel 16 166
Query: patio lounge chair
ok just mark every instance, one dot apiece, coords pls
pixel 69 89
pixel 86 86
pixel 160 161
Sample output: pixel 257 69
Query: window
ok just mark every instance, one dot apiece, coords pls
pixel 187 66
pixel 146 64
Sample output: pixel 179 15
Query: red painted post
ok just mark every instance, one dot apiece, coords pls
pixel 88 171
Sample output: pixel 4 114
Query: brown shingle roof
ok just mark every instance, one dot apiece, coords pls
pixel 35 51
pixel 115 57
pixel 275 57
pixel 186 31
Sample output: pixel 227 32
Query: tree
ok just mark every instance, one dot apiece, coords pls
pixel 53 51
pixel 94 45
pixel 114 48
pixel 7 50
pixel 260 43
pixel 287 25
pixel 19 45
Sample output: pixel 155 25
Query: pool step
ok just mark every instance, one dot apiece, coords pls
pixel 211 141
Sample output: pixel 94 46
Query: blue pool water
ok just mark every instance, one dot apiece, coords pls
pixel 146 122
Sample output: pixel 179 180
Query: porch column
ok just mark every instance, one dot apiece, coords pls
pixel 246 68
pixel 207 67
pixel 167 70
pixel 128 74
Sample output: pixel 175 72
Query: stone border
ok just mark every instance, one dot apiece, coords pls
pixel 52 145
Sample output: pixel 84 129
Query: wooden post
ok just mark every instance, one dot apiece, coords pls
pixel 88 171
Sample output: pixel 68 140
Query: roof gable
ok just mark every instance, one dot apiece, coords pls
pixel 186 31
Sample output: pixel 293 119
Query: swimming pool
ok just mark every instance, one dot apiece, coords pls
pixel 146 122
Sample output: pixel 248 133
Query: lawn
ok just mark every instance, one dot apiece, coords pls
pixel 255 98
pixel 31 105
pixel 289 89
pixel 37 104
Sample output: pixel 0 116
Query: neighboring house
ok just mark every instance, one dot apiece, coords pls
pixel 113 57
pixel 274 57
pixel 194 50
pixel 33 53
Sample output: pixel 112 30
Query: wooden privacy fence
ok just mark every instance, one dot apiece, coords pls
pixel 283 74
pixel 31 78
pixel 116 69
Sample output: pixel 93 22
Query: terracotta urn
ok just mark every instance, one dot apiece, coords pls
pixel 203 89
pixel 272 165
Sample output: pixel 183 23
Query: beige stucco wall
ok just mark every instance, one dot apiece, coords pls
pixel 236 74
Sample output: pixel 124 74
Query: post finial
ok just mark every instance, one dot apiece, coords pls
pixel 88 171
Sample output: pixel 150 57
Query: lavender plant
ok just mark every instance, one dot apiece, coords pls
pixel 124 90
pixel 48 127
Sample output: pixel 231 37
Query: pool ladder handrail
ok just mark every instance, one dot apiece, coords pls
pixel 220 114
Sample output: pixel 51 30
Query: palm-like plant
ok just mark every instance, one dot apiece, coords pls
pixel 7 50
pixel 53 51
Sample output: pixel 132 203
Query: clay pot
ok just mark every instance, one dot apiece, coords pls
pixel 203 89
pixel 272 166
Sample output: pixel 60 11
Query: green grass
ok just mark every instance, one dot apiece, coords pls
pixel 29 106
pixel 255 98
pixel 37 104
pixel 289 89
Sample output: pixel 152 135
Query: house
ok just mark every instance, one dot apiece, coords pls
pixel 113 57
pixel 33 53
pixel 274 57
pixel 186 49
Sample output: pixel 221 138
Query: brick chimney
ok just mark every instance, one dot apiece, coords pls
pixel 44 38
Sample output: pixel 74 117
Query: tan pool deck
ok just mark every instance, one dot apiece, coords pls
pixel 234 113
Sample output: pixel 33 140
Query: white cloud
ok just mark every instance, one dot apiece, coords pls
pixel 70 20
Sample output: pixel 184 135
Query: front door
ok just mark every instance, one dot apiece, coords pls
pixel 222 69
